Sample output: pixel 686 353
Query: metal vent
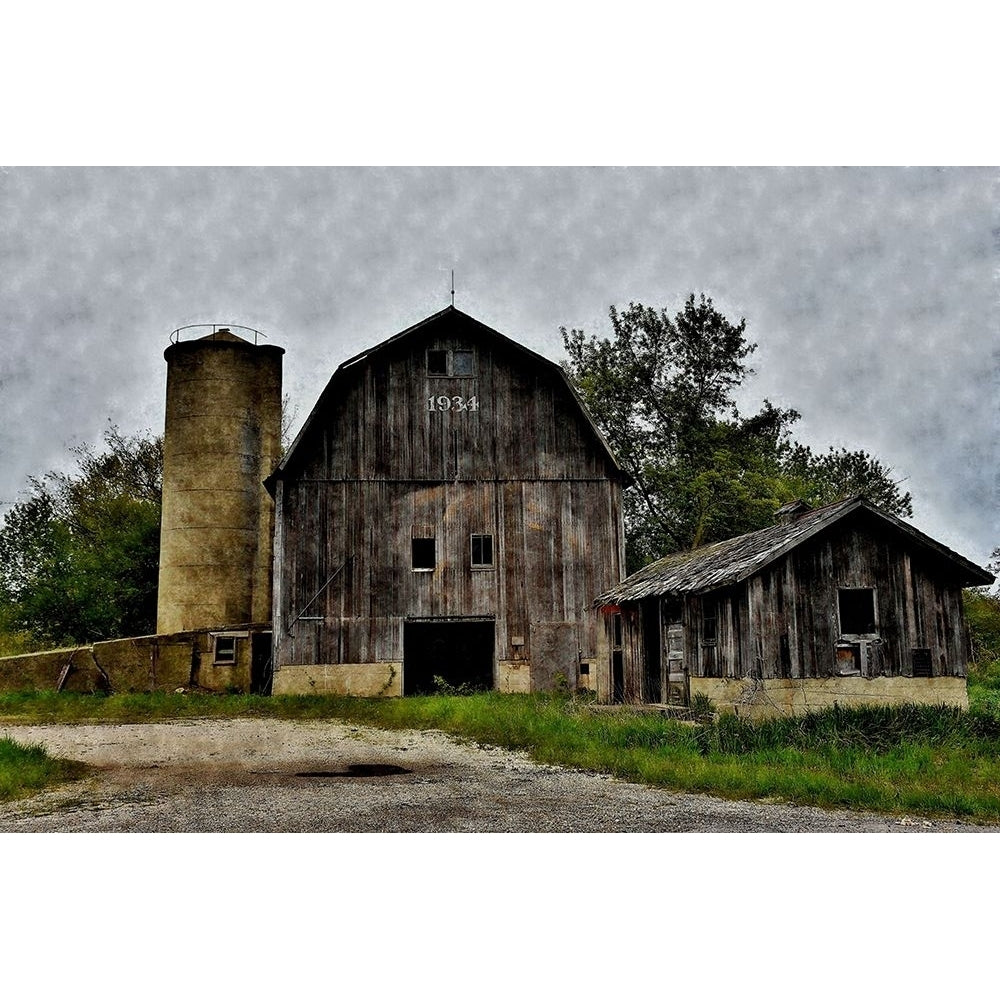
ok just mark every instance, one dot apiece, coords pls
pixel 922 663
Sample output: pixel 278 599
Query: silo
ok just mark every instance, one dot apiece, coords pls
pixel 222 438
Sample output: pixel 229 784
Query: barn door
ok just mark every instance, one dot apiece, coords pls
pixel 455 652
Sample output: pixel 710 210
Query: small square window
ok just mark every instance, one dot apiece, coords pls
pixel 423 553
pixel 437 362
pixel 482 550
pixel 462 362
pixel 225 649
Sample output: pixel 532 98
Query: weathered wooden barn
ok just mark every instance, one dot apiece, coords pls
pixel 448 510
pixel 843 604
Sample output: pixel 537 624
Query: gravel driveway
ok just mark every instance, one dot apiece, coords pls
pixel 251 775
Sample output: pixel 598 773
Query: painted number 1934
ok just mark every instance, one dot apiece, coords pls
pixel 435 403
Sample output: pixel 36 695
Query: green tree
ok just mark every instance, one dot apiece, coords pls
pixel 79 557
pixel 661 388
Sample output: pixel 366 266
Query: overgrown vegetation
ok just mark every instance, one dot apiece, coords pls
pixel 899 759
pixel 27 769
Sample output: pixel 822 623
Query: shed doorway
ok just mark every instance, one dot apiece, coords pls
pixel 459 651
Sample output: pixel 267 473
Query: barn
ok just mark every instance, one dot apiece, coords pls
pixel 843 604
pixel 446 514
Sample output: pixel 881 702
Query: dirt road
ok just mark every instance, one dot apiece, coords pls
pixel 247 775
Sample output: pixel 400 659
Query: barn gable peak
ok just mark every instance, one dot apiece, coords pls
pixel 447 321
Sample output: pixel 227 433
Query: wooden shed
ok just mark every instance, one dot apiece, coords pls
pixel 843 604
pixel 449 510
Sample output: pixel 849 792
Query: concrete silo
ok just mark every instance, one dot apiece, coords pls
pixel 222 438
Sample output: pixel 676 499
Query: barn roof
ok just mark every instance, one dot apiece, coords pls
pixel 734 560
pixel 448 315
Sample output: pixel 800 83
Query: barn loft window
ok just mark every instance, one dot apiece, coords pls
pixel 225 649
pixel 437 362
pixel 482 551
pixel 423 553
pixel 462 362
pixel 857 611
pixel 451 364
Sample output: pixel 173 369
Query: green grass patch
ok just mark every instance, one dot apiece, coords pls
pixel 898 759
pixel 28 769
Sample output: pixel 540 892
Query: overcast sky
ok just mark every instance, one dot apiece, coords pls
pixel 871 292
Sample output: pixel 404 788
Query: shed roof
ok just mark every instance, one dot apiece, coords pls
pixel 734 560
pixel 446 316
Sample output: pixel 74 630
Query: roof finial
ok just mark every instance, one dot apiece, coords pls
pixel 453 288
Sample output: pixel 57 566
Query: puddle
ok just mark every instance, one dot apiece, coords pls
pixel 356 771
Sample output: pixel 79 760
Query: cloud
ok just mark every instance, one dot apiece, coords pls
pixel 870 291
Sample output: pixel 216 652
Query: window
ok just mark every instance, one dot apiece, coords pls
pixel 857 611
pixel 709 625
pixel 451 364
pixel 225 649
pixel 423 553
pixel 437 362
pixel 482 550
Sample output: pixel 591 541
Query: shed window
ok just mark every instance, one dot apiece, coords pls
pixel 462 362
pixel 857 611
pixel 225 649
pixel 423 553
pixel 482 550
pixel 709 625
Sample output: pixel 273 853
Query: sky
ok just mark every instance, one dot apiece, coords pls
pixel 871 293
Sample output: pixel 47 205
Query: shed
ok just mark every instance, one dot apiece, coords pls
pixel 845 603
pixel 449 510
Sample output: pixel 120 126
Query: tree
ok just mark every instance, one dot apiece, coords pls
pixel 661 389
pixel 79 557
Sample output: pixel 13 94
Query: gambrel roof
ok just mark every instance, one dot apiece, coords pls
pixel 734 560
pixel 446 320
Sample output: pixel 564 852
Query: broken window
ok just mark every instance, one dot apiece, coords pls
pixel 423 553
pixel 225 649
pixel 437 362
pixel 482 550
pixel 857 611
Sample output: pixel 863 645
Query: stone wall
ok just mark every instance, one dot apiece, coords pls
pixel 145 663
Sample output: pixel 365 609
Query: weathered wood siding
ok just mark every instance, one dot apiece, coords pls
pixel 379 465
pixel 783 622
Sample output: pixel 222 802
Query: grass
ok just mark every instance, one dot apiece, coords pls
pixel 28 769
pixel 900 759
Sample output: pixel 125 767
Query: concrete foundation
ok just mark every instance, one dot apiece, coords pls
pixel 514 676
pixel 365 680
pixel 766 698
